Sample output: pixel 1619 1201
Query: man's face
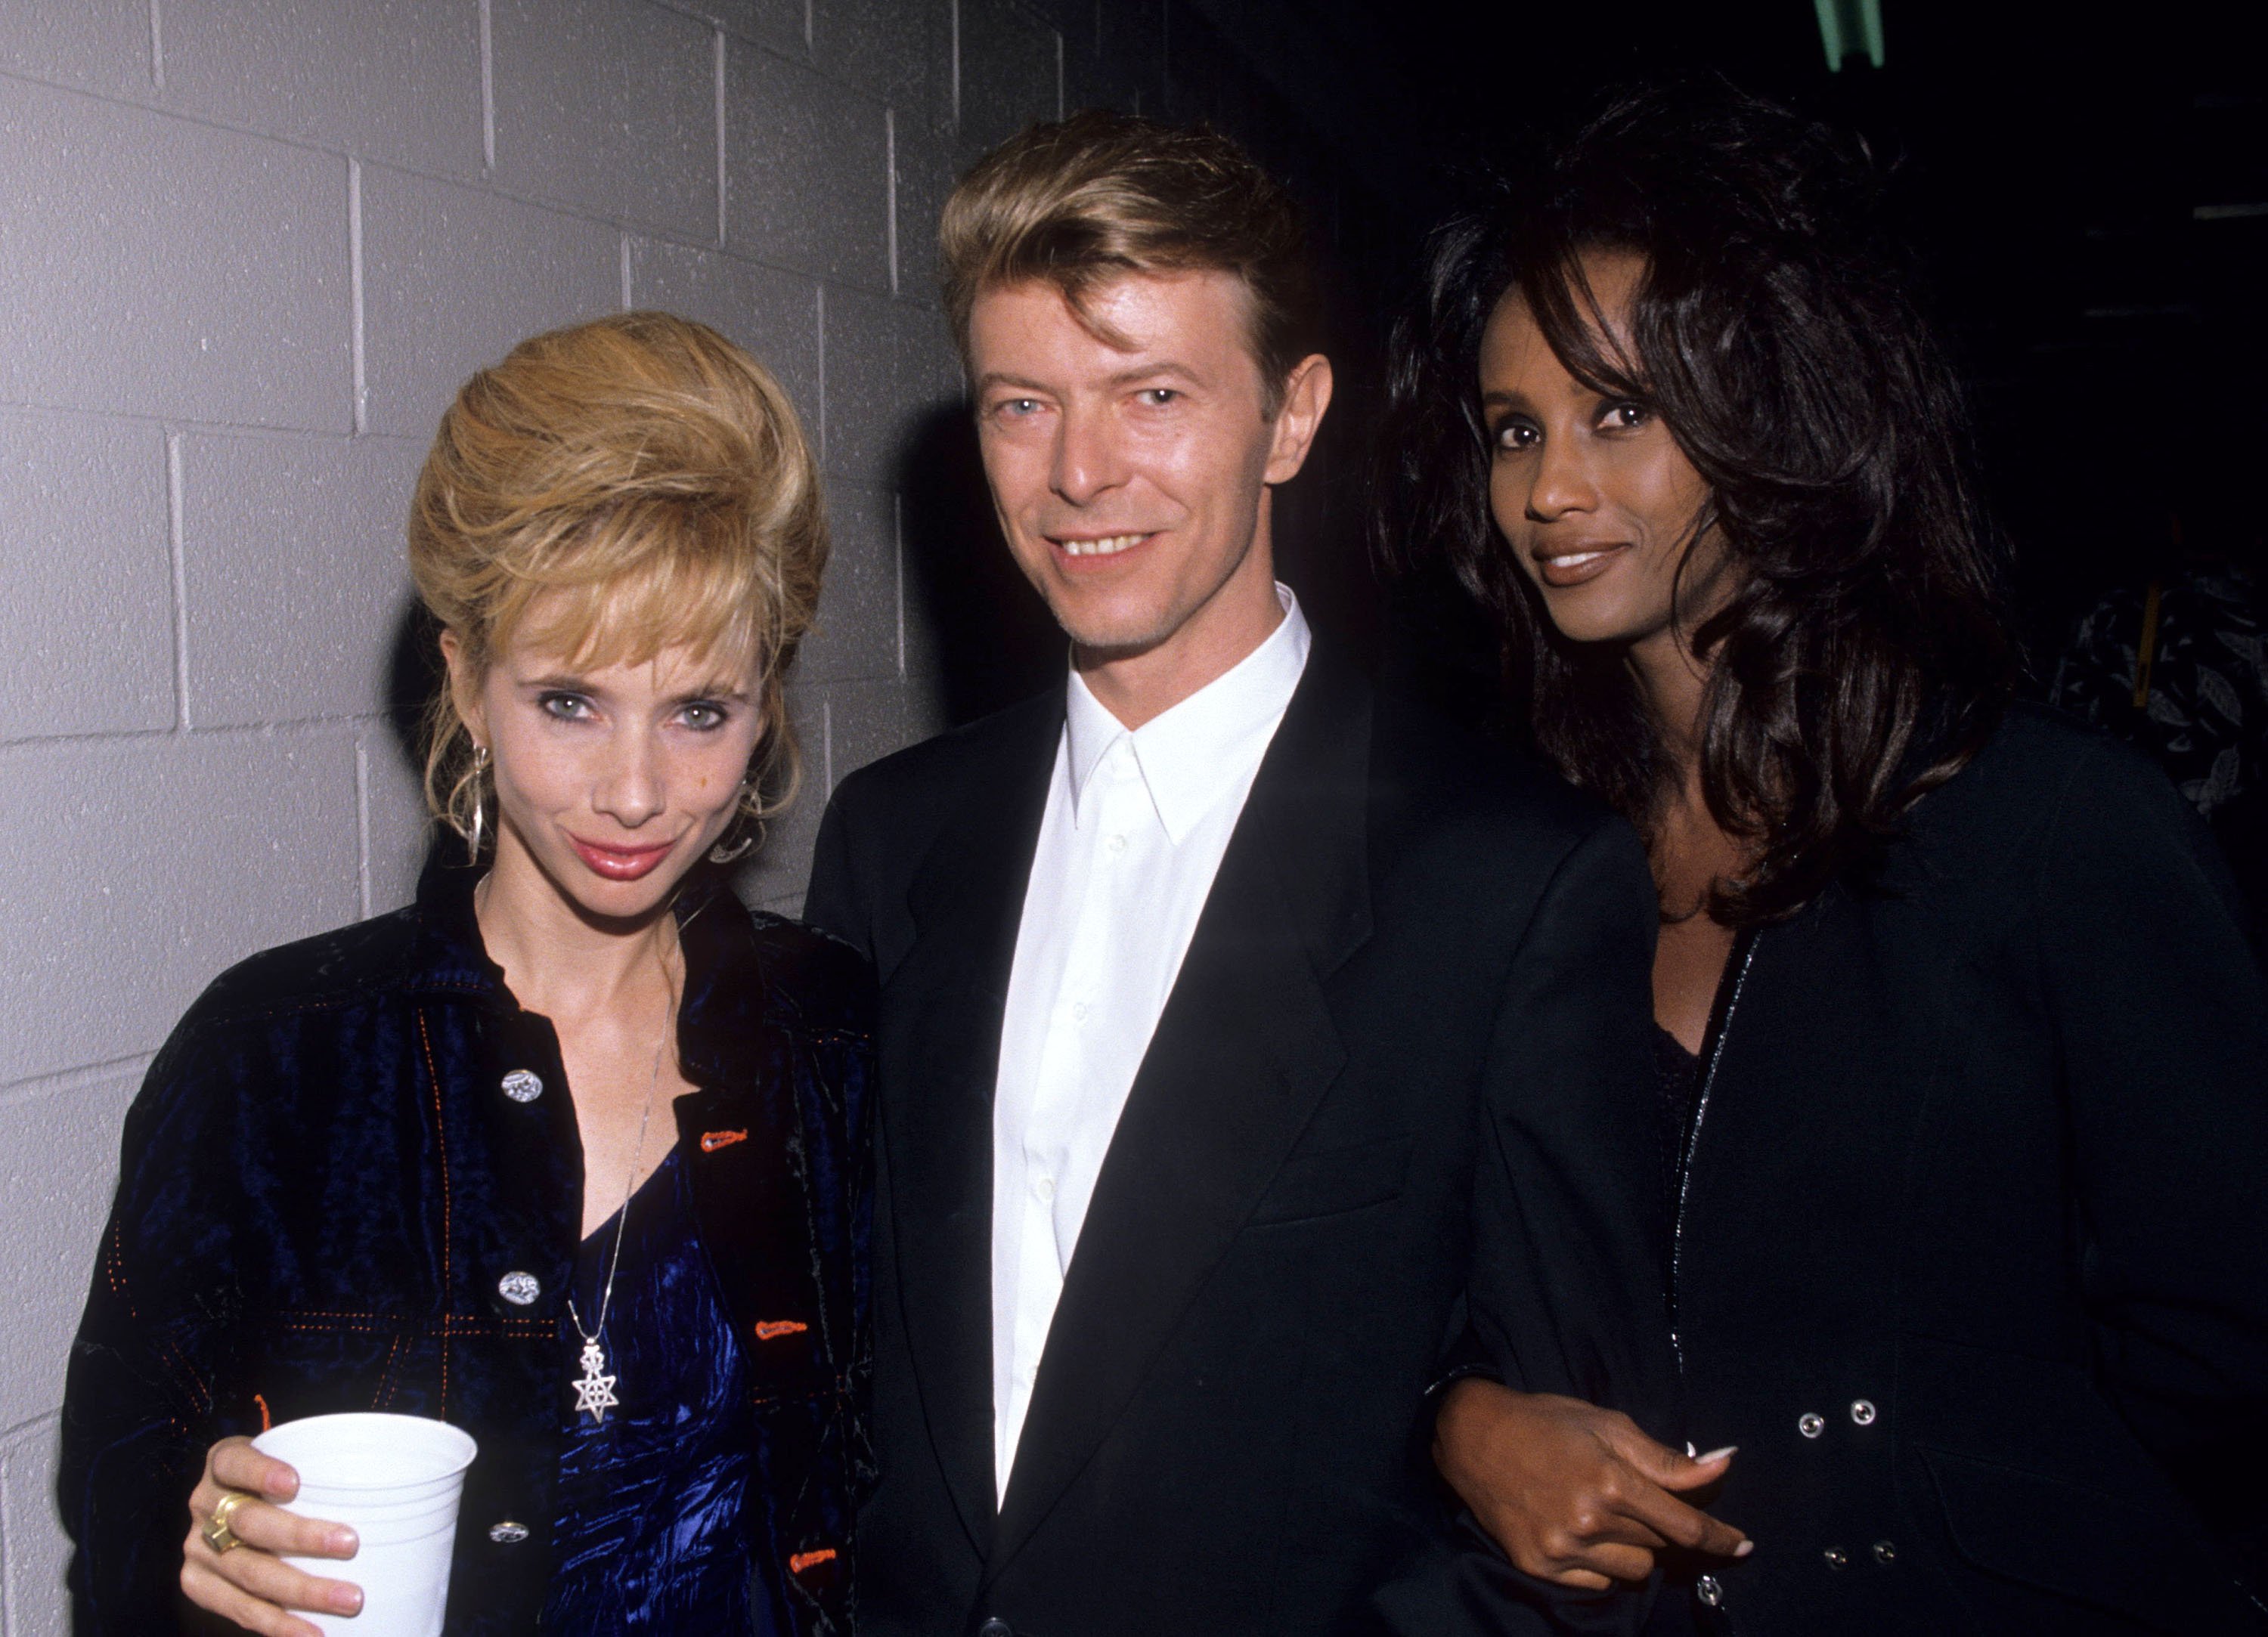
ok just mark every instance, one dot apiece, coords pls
pixel 1132 481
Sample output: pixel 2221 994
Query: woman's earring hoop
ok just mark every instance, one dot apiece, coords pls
pixel 479 802
pixel 724 853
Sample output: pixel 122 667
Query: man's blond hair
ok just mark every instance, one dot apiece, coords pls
pixel 1080 203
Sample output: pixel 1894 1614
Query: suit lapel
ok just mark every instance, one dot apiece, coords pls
pixel 941 1052
pixel 1243 1050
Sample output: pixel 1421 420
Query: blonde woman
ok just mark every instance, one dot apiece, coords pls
pixel 570 1153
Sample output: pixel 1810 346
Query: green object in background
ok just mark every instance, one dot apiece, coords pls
pixel 1851 28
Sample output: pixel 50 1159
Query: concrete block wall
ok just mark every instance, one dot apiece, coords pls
pixel 248 248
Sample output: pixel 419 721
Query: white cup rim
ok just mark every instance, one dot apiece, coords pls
pixel 452 1447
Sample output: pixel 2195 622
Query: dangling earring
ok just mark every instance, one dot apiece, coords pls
pixel 722 854
pixel 480 801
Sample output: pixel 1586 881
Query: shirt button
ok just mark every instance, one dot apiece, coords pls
pixel 1810 1425
pixel 1837 1557
pixel 507 1533
pixel 1862 1411
pixel 1078 1011
pixel 1045 1188
pixel 521 1289
pixel 1117 844
pixel 523 1087
pixel 1710 1590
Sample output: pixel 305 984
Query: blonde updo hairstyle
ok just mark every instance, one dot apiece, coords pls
pixel 647 482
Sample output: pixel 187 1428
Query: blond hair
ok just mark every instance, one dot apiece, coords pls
pixel 648 481
pixel 1079 202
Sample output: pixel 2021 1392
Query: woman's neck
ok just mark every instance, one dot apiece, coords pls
pixel 557 960
pixel 1672 684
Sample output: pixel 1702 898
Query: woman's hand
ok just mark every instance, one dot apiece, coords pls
pixel 1574 1494
pixel 248 1583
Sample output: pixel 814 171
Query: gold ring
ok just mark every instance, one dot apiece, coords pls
pixel 217 1531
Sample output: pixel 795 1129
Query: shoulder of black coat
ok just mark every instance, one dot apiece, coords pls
pixel 340 967
pixel 812 981
pixel 2039 761
pixel 934 765
pixel 1430 775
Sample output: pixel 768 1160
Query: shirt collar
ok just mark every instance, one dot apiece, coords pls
pixel 1206 748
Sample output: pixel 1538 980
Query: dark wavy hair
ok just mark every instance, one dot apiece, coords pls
pixel 1863 657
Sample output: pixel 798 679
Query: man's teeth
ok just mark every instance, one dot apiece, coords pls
pixel 1109 547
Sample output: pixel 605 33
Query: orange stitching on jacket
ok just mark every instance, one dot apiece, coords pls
pixel 773 1329
pixel 384 1396
pixel 190 1370
pixel 803 1561
pixel 266 1420
pixel 711 1141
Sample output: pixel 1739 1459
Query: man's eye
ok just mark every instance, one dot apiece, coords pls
pixel 1018 408
pixel 1158 397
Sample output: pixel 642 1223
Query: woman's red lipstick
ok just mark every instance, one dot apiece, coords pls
pixel 620 864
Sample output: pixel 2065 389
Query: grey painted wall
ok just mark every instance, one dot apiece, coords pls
pixel 248 250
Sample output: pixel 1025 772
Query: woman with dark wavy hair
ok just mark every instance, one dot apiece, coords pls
pixel 1962 1040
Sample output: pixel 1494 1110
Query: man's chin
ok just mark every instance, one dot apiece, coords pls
pixel 1104 637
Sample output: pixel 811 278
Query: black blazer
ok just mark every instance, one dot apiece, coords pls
pixel 1973 1257
pixel 1409 1029
pixel 335 1159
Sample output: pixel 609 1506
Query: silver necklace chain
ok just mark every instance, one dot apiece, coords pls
pixel 595 1392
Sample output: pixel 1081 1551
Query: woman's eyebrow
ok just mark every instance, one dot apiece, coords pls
pixel 722 694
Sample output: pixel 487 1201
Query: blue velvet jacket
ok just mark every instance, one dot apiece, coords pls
pixel 347 1147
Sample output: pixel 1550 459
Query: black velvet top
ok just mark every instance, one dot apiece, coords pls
pixel 650 1538
pixel 352 1181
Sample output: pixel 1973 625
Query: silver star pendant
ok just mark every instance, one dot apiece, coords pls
pixel 594 1392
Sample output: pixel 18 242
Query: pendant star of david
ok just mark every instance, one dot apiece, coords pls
pixel 595 1392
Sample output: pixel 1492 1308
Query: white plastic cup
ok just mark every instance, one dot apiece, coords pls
pixel 395 1480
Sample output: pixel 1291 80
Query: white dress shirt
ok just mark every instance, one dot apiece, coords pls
pixel 1136 825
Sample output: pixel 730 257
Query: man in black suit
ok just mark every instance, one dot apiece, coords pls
pixel 1245 1036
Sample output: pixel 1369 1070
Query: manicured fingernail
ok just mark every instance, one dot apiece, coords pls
pixel 1689 1450
pixel 347 1599
pixel 1716 1455
pixel 1744 1548
pixel 344 1542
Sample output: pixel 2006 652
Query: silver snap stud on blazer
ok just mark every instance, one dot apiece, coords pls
pixel 519 1289
pixel 1811 1425
pixel 523 1085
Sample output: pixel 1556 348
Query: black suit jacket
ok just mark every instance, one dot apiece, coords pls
pixel 1403 1065
pixel 1973 1257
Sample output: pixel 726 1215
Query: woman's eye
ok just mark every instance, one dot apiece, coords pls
pixel 1515 435
pixel 565 707
pixel 705 716
pixel 1626 417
